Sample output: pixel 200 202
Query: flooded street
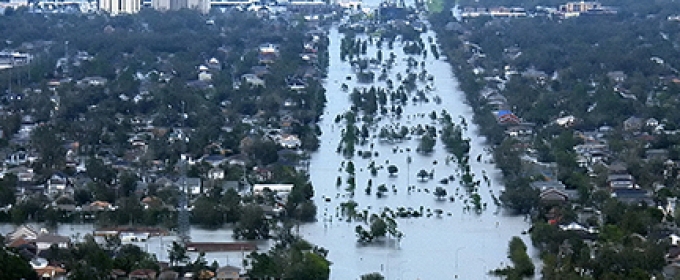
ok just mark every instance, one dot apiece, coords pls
pixel 459 244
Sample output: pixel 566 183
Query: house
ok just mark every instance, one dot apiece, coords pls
pixel 295 83
pixel 632 124
pixel 100 206
pixel 534 74
pixel 216 174
pixel 617 76
pixel 142 274
pixel 262 174
pixel 228 273
pixel 289 141
pixel 214 64
pixel 553 196
pixel 214 160
pixel 267 58
pixel 652 122
pixel 58 184
pixel 260 188
pixel 618 168
pixel 204 76
pixel 269 48
pixel 24 232
pixel 621 181
pixel 253 80
pixel 42 239
pixel 168 275
pixel 17 158
pixel 192 185
pixel 520 131
pixel 554 192
pixel 45 240
pixel 656 154
pixel 46 271
pixel 260 70
pixel 23 173
pixel 289 102
pixel 92 81
pixel 238 159
pixel 507 117
pixel 634 196
pixel 567 121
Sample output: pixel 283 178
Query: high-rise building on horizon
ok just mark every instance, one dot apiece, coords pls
pixel 115 7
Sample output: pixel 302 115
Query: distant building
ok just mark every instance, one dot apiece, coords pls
pixel 202 6
pixel 579 7
pixel 115 7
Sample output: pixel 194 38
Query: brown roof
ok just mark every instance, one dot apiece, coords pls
pixel 18 242
pixel 221 246
pixel 143 274
pixel 50 270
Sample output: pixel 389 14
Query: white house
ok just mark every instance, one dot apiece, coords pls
pixel 259 188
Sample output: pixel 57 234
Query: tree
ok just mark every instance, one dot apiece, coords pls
pixel 265 152
pixel 522 265
pixel 373 276
pixel 252 223
pixel 13 265
pixel 378 227
pixel 177 253
pixel 231 205
pixel 128 183
pixel 392 169
pixel 362 234
pixel 7 189
pixel 98 171
pixel 199 264
pixel 306 211
pixel 440 192
pixel 130 211
pixel 45 139
pixel 206 213
pixel 520 197
pixel 90 261
pixel 290 258
pixel 130 257
pixel 426 144
pixel 423 174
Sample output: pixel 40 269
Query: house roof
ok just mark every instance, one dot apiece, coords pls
pixel 22 231
pixel 188 181
pixel 168 275
pixel 553 195
pixel 544 185
pixel 50 271
pixel 16 243
pixel 51 238
pixel 632 196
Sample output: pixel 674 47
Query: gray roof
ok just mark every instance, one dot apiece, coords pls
pixel 51 238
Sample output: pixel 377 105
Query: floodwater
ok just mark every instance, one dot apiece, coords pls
pixel 458 245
